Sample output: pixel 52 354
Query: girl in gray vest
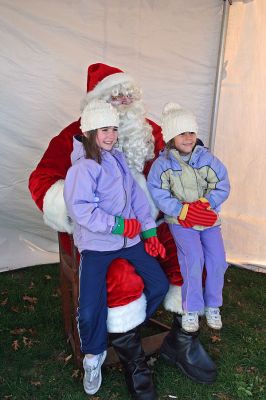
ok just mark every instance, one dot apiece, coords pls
pixel 189 184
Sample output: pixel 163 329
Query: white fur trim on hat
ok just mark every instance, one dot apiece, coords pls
pixel 176 120
pixel 98 114
pixel 54 209
pixel 123 318
pixel 108 82
pixel 173 300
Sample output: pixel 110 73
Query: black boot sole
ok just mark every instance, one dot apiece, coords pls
pixel 179 366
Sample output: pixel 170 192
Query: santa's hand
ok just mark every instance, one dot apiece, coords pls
pixel 54 209
pixel 126 227
pixel 151 243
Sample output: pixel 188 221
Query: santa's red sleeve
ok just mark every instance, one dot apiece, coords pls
pixel 47 181
pixel 158 144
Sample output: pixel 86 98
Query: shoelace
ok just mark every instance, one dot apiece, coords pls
pixel 190 317
pixel 92 370
pixel 214 314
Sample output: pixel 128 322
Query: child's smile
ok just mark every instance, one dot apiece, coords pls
pixel 185 142
pixel 107 137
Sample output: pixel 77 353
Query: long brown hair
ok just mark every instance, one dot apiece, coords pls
pixel 169 145
pixel 91 147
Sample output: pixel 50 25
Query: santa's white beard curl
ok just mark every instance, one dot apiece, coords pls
pixel 135 137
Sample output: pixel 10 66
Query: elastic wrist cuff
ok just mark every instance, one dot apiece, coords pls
pixel 149 233
pixel 203 200
pixel 119 227
pixel 183 212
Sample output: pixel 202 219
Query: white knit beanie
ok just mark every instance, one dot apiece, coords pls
pixel 98 114
pixel 176 120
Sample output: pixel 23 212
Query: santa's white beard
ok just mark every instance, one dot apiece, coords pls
pixel 135 137
pixel 136 141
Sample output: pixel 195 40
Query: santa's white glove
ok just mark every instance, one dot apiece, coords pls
pixel 54 209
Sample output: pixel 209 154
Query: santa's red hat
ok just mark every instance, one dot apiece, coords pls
pixel 102 77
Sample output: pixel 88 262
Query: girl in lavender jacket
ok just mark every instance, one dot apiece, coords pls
pixel 109 211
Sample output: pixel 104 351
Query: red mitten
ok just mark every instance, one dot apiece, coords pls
pixel 197 213
pixel 154 247
pixel 126 227
pixel 132 228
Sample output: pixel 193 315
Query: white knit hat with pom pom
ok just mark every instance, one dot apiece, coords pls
pixel 98 114
pixel 176 120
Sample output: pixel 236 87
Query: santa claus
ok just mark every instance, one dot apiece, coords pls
pixel 140 140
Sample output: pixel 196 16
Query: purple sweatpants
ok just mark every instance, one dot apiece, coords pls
pixel 194 249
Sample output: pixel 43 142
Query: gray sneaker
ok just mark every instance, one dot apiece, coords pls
pixel 190 321
pixel 92 373
pixel 213 317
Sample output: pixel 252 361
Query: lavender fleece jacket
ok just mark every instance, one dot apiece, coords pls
pixel 95 193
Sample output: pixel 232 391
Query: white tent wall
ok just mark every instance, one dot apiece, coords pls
pixel 169 46
pixel 240 138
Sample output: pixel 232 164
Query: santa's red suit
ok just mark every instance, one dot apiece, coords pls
pixel 140 141
pixel 126 301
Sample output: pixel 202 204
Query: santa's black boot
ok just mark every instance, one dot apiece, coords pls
pixel 137 373
pixel 184 350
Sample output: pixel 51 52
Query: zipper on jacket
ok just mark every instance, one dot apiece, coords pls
pixel 121 169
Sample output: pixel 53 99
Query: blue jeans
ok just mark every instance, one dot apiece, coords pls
pixel 92 311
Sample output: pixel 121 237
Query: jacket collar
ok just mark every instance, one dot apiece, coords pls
pixel 174 154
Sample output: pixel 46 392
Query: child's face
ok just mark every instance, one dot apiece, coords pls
pixel 107 137
pixel 185 142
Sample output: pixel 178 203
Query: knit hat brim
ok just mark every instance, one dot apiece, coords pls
pixel 98 114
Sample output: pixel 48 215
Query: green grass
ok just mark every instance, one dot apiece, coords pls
pixel 41 368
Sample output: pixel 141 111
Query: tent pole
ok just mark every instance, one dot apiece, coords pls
pixel 218 79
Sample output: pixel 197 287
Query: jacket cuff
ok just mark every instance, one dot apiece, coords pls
pixel 119 226
pixel 183 212
pixel 212 202
pixel 149 233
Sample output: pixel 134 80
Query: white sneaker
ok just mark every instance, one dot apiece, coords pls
pixel 213 317
pixel 92 373
pixel 190 321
